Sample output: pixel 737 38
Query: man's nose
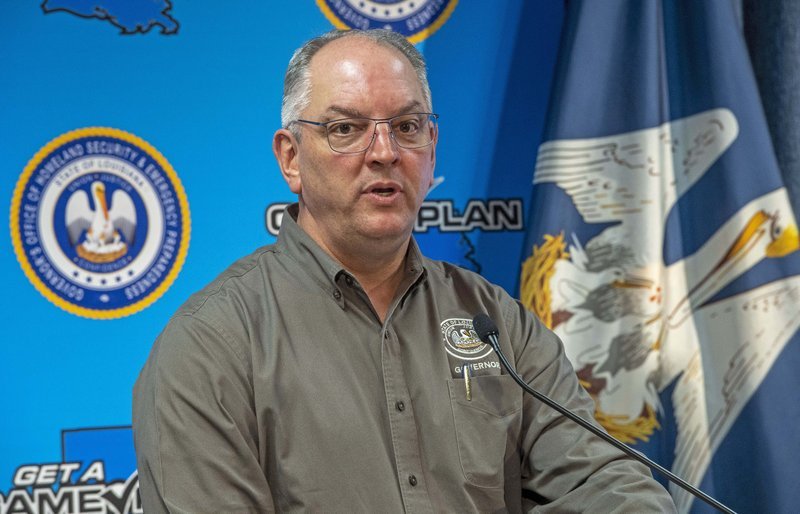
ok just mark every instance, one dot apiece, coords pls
pixel 383 148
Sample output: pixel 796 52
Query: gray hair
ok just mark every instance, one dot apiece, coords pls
pixel 297 83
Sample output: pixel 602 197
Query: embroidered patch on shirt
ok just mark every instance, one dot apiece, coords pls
pixel 461 341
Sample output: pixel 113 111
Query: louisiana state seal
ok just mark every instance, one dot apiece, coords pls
pixel 415 19
pixel 100 223
pixel 461 340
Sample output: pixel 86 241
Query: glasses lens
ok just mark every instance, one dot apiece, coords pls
pixel 350 135
pixel 414 130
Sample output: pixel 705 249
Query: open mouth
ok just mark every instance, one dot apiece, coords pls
pixel 383 191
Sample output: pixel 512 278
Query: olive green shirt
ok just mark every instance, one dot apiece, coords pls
pixel 277 388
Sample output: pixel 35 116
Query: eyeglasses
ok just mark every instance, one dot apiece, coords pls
pixel 355 135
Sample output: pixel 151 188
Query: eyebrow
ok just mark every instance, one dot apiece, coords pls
pixel 334 110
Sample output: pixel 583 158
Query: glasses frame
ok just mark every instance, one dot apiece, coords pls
pixel 376 121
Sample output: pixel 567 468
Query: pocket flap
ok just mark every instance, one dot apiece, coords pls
pixel 497 395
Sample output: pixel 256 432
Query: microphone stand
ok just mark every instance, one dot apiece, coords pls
pixel 488 332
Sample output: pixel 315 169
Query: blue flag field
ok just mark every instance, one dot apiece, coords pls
pixel 663 247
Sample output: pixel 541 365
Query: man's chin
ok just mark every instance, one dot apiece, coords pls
pixel 387 228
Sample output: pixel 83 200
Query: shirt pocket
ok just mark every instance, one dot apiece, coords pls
pixel 486 427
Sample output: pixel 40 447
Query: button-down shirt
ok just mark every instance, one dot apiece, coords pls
pixel 277 387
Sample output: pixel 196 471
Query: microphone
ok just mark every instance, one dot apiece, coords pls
pixel 488 332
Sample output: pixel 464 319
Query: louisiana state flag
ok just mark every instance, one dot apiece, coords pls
pixel 663 249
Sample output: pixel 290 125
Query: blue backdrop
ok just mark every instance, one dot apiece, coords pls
pixel 195 88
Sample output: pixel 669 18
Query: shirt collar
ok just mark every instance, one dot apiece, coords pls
pixel 296 243
pixel 299 246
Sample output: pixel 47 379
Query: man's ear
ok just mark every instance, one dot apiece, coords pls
pixel 433 156
pixel 284 146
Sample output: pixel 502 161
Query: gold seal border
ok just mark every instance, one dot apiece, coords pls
pixel 413 38
pixel 16 239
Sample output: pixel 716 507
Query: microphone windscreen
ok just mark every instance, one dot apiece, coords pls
pixel 484 326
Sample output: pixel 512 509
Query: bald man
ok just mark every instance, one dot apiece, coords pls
pixel 338 370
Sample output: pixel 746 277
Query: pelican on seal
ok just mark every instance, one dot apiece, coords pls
pixel 108 231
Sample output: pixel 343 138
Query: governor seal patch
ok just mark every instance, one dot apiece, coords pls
pixel 415 19
pixel 100 223
pixel 461 340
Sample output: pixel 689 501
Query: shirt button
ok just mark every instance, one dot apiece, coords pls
pixel 400 405
pixel 412 480
pixel 337 294
pixel 386 335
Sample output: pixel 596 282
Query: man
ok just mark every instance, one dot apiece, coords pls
pixel 337 370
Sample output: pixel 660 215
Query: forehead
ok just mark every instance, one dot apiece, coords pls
pixel 359 74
